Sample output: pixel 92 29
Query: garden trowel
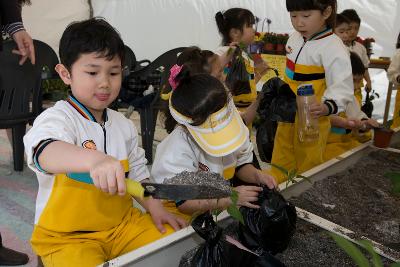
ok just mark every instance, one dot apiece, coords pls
pixel 163 191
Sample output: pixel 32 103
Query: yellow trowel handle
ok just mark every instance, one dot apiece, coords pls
pixel 134 188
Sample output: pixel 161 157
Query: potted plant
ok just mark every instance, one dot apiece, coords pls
pixel 270 41
pixel 383 135
pixel 281 43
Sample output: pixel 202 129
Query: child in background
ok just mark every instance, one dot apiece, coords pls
pixel 76 223
pixel 342 28
pixel 314 56
pixel 210 136
pixel 351 122
pixel 359 49
pixel 393 74
pixel 236 26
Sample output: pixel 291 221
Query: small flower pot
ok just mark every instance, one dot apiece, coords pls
pixel 269 47
pixel 382 137
pixel 280 48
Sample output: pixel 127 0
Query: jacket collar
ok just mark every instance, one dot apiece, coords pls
pixel 83 110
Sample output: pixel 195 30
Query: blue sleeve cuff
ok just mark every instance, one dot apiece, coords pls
pixel 38 150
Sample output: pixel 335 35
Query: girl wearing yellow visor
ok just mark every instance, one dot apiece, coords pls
pixel 210 136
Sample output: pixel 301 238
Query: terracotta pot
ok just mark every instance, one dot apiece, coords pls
pixel 269 47
pixel 382 137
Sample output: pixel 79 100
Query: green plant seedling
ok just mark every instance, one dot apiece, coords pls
pixel 395 178
pixel 355 253
pixel 290 175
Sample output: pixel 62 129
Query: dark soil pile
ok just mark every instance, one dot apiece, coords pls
pixel 360 199
pixel 311 246
pixel 213 184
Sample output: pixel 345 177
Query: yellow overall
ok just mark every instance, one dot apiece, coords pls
pixel 339 141
pixel 288 151
pixel 83 226
pixel 396 116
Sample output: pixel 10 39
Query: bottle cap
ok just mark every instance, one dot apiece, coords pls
pixel 305 90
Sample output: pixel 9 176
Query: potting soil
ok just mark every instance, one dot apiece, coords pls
pixel 360 198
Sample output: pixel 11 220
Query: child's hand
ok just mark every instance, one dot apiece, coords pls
pixel 108 175
pixel 369 124
pixel 161 216
pixel 268 180
pixel 318 110
pixel 353 124
pixel 261 67
pixel 248 194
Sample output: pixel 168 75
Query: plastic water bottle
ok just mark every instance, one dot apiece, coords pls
pixel 308 130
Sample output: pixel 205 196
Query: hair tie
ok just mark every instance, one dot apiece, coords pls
pixel 174 71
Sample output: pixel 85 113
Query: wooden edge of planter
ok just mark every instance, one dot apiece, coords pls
pixel 346 233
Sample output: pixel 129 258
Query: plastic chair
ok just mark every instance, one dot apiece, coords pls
pixel 20 92
pixel 155 74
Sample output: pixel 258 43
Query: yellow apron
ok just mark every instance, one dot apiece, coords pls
pixel 288 151
pixel 396 116
pixel 339 141
pixel 358 95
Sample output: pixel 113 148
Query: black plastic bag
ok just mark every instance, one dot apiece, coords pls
pixel 217 252
pixel 237 78
pixel 368 107
pixel 278 104
pixel 270 227
pixel 265 137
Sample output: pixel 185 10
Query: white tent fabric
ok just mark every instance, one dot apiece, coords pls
pixel 152 27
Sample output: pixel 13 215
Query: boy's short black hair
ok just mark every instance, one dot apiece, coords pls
pixel 88 36
pixel 351 15
pixel 321 5
pixel 357 66
pixel 340 19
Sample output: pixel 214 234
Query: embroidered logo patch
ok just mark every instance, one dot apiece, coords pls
pixel 89 144
pixel 289 50
pixel 203 167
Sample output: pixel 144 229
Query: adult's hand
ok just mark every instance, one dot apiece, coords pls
pixel 25 46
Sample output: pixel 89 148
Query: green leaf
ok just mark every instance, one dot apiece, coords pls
pixel 397 264
pixel 234 196
pixel 235 213
pixel 283 170
pixel 376 259
pixel 395 178
pixel 351 250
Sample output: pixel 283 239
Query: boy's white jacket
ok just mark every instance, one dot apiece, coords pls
pixel 64 123
pixel 394 68
pixel 331 54
pixel 178 152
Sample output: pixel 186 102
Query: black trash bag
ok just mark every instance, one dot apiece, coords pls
pixel 217 252
pixel 278 104
pixel 237 78
pixel 270 227
pixel 368 107
pixel 265 136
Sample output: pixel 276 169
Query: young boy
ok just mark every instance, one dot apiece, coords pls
pixel 80 224
pixel 342 28
pixel 359 49
pixel 353 120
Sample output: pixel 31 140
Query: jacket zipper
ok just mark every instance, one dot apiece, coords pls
pixel 298 54
pixel 105 136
